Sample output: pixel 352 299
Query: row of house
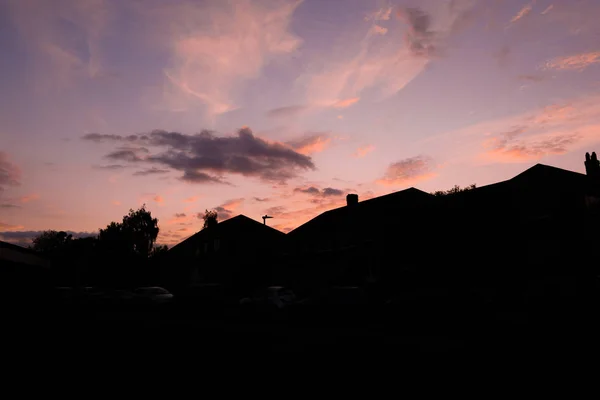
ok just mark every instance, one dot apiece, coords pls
pixel 538 218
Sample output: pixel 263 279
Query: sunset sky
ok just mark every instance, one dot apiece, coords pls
pixel 280 106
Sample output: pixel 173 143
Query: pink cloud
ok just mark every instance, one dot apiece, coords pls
pixel 408 172
pixel 159 200
pixel 208 63
pixel 508 150
pixel 115 203
pixel 522 13
pixel 29 198
pixel 548 9
pixel 577 62
pixel 380 30
pixel 10 228
pixel 552 130
pixel 346 102
pixel 192 199
pixel 311 143
pixel 363 151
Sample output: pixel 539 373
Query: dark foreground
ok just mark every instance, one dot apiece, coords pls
pixel 554 326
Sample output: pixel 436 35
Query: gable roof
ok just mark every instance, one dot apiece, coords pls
pixel 238 225
pixel 539 177
pixel 409 198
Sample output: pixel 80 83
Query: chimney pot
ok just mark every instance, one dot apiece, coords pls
pixel 592 165
pixel 351 199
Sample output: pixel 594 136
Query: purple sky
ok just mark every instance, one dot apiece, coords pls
pixel 280 106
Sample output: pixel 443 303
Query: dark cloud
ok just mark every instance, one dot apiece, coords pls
pixel 180 215
pixel 407 170
pixel 421 40
pixel 327 192
pixel 8 205
pixel 10 174
pixel 99 138
pixel 150 171
pixel 199 177
pixel 205 157
pixel 310 190
pixel 286 112
pixel 261 199
pixel 331 192
pixel 110 167
pixel 24 238
pixel 128 154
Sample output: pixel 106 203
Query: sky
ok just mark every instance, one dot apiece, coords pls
pixel 280 107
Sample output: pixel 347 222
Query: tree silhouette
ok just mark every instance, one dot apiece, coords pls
pixel 135 235
pixel 142 230
pixel 210 219
pixel 159 251
pixel 455 189
pixel 49 242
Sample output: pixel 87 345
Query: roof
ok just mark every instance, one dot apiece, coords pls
pixel 238 225
pixel 409 198
pixel 18 248
pixel 537 180
pixel 12 252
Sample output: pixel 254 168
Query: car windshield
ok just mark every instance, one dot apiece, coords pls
pixel 152 290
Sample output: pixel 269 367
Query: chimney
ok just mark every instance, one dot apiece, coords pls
pixel 351 200
pixel 592 165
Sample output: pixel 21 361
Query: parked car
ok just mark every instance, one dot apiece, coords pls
pixel 277 296
pixel 115 297
pixel 152 295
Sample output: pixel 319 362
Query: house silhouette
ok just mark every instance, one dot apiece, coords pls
pixel 534 223
pixel 236 252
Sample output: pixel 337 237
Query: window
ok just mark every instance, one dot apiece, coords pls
pixel 216 244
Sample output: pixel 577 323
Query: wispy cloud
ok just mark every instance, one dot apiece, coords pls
pixel 49 29
pixel 192 199
pixel 286 112
pixel 346 102
pixel 151 171
pixel 555 129
pixel 522 13
pixel 217 46
pixel 548 9
pixel 110 167
pixel 577 62
pixel 364 150
pixel 382 63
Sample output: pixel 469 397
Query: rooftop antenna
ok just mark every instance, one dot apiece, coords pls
pixel 265 218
